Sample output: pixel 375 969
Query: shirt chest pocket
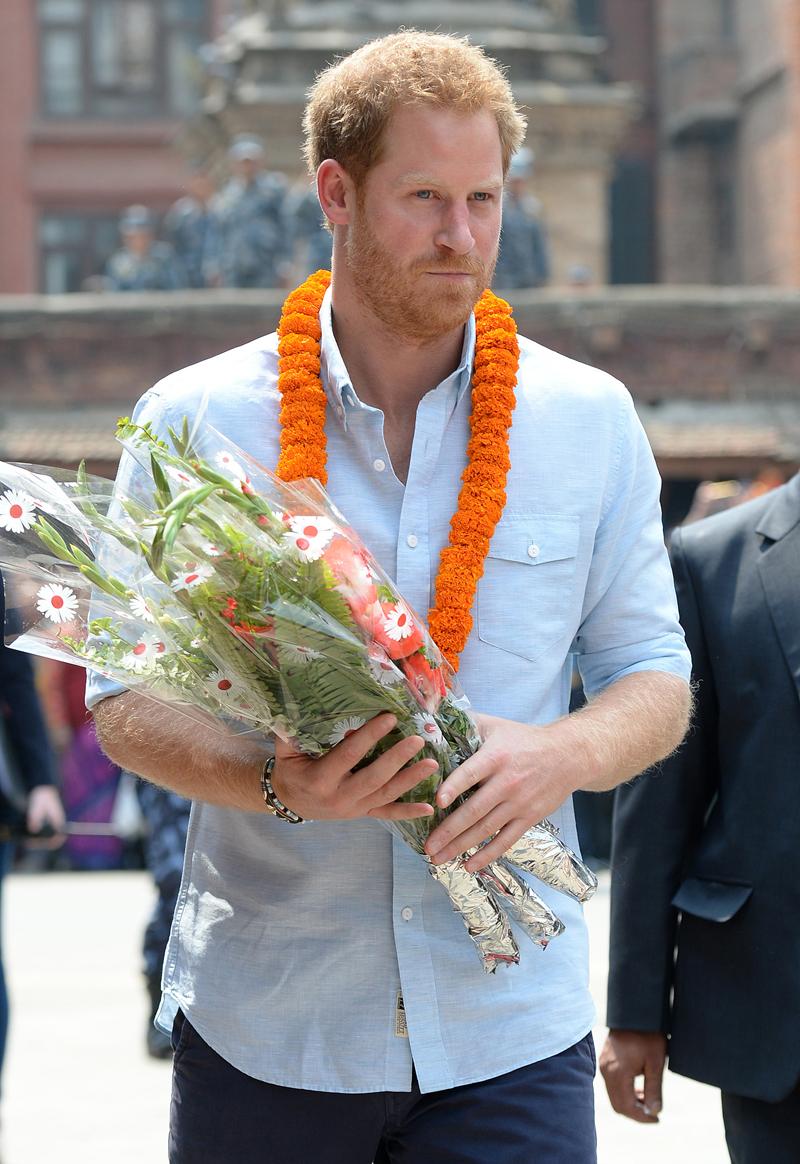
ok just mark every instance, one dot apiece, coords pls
pixel 524 596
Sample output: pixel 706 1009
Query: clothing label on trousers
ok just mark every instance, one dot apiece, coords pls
pixel 400 1025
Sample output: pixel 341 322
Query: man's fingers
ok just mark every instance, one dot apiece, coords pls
pixel 401 810
pixel 458 822
pixel 465 776
pixel 403 782
pixel 355 747
pixel 651 1094
pixel 624 1097
pixel 377 774
pixel 328 788
pixel 497 846
pixel 626 1057
pixel 475 834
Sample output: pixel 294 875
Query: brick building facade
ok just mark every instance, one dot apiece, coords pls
pixel 713 371
pixel 94 94
pixel 106 99
pixel 729 88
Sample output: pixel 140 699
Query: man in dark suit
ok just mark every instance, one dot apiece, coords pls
pixel 27 765
pixel 25 752
pixel 705 895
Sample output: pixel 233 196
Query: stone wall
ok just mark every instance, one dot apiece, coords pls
pixel 68 363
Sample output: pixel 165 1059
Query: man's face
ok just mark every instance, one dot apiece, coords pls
pixel 201 187
pixel 246 168
pixel 422 240
pixel 139 240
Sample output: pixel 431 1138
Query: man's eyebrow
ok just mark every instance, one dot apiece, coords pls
pixel 417 178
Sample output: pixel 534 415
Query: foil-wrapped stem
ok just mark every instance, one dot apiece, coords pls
pixel 486 923
pixel 541 851
pixel 521 902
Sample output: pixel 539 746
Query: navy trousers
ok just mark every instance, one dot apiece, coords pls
pixel 757 1131
pixel 540 1114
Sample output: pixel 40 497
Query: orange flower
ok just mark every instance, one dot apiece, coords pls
pixel 482 496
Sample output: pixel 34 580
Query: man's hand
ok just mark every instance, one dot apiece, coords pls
pixel 45 809
pixel 626 1056
pixel 519 775
pixel 524 772
pixel 329 789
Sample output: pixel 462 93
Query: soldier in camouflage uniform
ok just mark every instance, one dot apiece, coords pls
pixel 523 260
pixel 251 212
pixel 167 817
pixel 142 263
pixel 192 229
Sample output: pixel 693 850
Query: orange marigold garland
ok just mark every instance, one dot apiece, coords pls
pixel 483 491
pixel 302 415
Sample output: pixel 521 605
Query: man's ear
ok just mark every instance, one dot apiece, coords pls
pixel 335 191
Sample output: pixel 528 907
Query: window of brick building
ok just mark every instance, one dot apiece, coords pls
pixel 120 58
pixel 74 249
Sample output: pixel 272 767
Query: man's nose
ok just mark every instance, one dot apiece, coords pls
pixel 455 232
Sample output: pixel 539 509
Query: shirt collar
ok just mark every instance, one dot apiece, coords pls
pixel 336 379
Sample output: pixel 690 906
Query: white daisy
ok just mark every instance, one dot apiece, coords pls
pixel 428 728
pixel 232 466
pixel 309 536
pixel 225 689
pixel 295 653
pixel 144 654
pixel 398 622
pixel 193 575
pixel 210 550
pixel 384 670
pixel 59 603
pixel 140 609
pixel 17 511
pixel 344 728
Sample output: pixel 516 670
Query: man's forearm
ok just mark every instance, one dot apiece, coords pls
pixel 630 726
pixel 181 752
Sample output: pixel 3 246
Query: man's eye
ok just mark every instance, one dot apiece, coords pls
pixel 426 194
pixel 481 196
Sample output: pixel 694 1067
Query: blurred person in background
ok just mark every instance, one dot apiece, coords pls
pixel 192 229
pixel 716 496
pixel 167 819
pixel 313 242
pixel 704 941
pixel 523 259
pixel 29 797
pixel 89 780
pixel 251 212
pixel 143 263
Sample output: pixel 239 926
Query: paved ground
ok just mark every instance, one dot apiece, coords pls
pixel 79 1088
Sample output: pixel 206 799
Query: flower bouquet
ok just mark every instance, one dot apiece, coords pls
pixel 220 589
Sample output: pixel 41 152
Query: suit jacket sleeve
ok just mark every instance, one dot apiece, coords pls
pixel 657 820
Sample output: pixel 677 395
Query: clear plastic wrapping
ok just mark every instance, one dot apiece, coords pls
pixel 227 593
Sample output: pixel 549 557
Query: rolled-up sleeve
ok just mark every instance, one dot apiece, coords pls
pixel 629 620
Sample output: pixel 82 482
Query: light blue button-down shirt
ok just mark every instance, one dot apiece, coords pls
pixel 292 945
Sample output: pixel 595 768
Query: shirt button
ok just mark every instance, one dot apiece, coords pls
pixel 378 465
pixel 413 541
pixel 407 913
pixel 533 550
